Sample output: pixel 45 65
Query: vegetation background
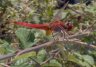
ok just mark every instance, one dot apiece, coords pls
pixel 23 47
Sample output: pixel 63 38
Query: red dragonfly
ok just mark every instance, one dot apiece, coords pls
pixel 56 26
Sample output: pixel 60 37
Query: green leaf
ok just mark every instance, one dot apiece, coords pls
pixel 94 32
pixel 2 50
pixel 50 11
pixel 26 37
pixel 88 39
pixel 36 19
pixel 22 63
pixel 72 58
pixel 5 47
pixel 78 59
pixel 53 63
pixel 83 64
pixel 93 53
pixel 41 55
pixel 89 59
pixel 26 55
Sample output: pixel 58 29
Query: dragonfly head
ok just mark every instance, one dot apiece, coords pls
pixel 59 25
pixel 68 26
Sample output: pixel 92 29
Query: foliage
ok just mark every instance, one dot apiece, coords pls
pixel 14 39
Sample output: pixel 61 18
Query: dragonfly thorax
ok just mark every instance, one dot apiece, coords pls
pixel 59 25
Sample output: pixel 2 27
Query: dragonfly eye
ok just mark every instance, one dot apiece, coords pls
pixel 68 26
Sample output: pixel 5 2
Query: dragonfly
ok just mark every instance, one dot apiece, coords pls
pixel 56 25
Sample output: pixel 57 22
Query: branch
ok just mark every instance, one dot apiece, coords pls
pixel 7 56
pixel 72 41
pixel 2 57
pixel 35 48
pixel 79 35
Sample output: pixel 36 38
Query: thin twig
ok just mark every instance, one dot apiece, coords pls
pixel 82 14
pixel 90 26
pixel 5 65
pixel 78 43
pixel 46 60
pixel 58 14
pixel 50 58
pixel 79 35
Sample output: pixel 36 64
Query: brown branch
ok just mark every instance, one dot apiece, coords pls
pixel 5 65
pixel 7 56
pixel 79 35
pixel 82 14
pixel 60 40
pixel 35 48
pixel 2 57
pixel 72 41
